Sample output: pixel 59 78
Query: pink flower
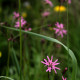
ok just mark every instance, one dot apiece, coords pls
pixel 64 78
pixel 69 1
pixel 29 29
pixel 16 15
pixel 46 13
pixel 23 22
pixel 64 71
pixel 51 65
pixel 49 2
pixel 60 29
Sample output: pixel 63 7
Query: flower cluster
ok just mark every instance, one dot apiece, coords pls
pixel 23 22
pixel 51 65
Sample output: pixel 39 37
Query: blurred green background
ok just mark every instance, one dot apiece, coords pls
pixel 36 49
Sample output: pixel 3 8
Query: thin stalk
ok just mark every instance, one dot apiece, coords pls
pixel 20 39
pixel 48 76
pixel 24 55
pixel 8 59
pixel 67 39
pixel 7 70
pixel 67 28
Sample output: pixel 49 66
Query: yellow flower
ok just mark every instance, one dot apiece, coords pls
pixel 0 54
pixel 60 8
pixel 24 14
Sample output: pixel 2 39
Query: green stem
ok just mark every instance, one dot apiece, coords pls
pixel 20 40
pixel 8 58
pixel 67 29
pixel 48 75
pixel 67 40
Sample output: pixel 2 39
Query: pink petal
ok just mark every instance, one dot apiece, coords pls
pixel 48 58
pixel 56 30
pixel 57 68
pixel 56 63
pixel 51 58
pixel 57 24
pixel 49 2
pixel 64 78
pixel 60 33
pixel 64 31
pixel 61 26
pixel 49 69
pixel 55 71
pixel 46 63
pixel 56 60
pixel 45 60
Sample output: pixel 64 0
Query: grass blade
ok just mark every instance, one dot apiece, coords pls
pixel 6 77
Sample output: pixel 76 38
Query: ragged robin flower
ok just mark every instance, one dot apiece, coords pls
pixel 60 9
pixel 69 1
pixel 46 13
pixel 59 30
pixel 29 29
pixel 16 15
pixel 23 23
pixel 51 65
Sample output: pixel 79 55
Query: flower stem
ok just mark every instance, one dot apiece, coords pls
pixel 20 40
pixel 67 38
pixel 48 76
pixel 8 59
